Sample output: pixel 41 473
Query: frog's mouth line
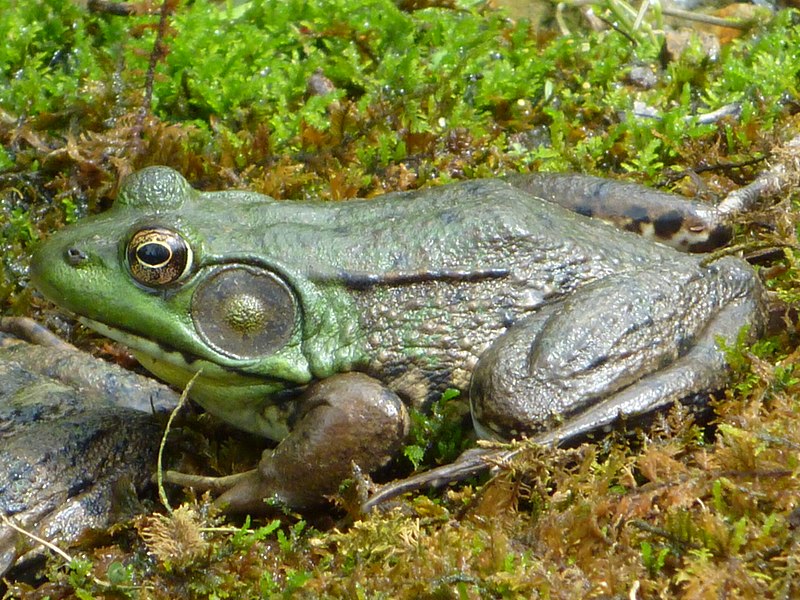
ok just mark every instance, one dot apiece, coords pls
pixel 181 366
pixel 160 353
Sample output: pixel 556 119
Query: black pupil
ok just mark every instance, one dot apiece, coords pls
pixel 153 254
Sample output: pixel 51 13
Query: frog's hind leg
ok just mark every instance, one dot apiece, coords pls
pixel 674 220
pixel 627 345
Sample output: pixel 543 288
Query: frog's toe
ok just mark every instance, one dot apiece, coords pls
pixel 238 493
pixel 248 495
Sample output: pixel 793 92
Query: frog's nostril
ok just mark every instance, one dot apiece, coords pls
pixel 75 256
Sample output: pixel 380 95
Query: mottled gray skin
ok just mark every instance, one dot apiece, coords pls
pixel 67 449
pixel 554 323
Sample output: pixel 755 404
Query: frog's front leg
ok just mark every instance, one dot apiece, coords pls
pixel 626 345
pixel 345 419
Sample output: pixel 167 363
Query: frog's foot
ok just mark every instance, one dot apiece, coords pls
pixel 62 477
pixel 208 483
pixel 343 420
pixel 627 345
pixel 246 491
pixel 469 463
pixel 242 492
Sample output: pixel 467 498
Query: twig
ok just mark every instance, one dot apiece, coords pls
pixel 28 329
pixel 155 56
pixel 706 19
pixel 643 111
pixel 783 175
pixel 672 12
pixel 162 495
pixel 39 540
pixel 50 546
pixel 663 533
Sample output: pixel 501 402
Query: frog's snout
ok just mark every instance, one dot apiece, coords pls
pixel 46 262
pixel 56 267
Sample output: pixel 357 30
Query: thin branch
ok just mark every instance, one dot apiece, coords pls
pixel 162 495
pixel 707 19
pixel 156 55
pixel 26 328
pixel 39 540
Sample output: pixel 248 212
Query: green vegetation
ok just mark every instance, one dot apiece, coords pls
pixel 440 435
pixel 340 98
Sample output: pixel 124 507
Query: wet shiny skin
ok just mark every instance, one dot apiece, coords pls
pixel 554 324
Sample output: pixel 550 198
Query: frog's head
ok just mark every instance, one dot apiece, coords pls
pixel 171 272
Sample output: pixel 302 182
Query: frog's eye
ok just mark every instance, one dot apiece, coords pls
pixel 158 256
pixel 244 312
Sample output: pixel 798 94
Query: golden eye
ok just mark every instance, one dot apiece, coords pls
pixel 158 256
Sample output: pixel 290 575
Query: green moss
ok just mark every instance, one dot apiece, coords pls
pixel 53 59
pixel 439 435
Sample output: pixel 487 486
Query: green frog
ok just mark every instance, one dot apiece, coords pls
pixel 317 324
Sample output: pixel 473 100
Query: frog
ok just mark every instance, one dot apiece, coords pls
pixel 78 440
pixel 320 325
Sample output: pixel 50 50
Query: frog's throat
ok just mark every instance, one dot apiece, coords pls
pixel 242 400
pixel 173 366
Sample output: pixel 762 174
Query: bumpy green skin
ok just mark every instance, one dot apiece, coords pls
pixel 409 288
pixel 554 323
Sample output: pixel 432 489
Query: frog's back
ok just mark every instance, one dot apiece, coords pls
pixel 474 226
pixel 436 275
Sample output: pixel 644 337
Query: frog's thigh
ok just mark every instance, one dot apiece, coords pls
pixel 626 345
pixel 343 420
